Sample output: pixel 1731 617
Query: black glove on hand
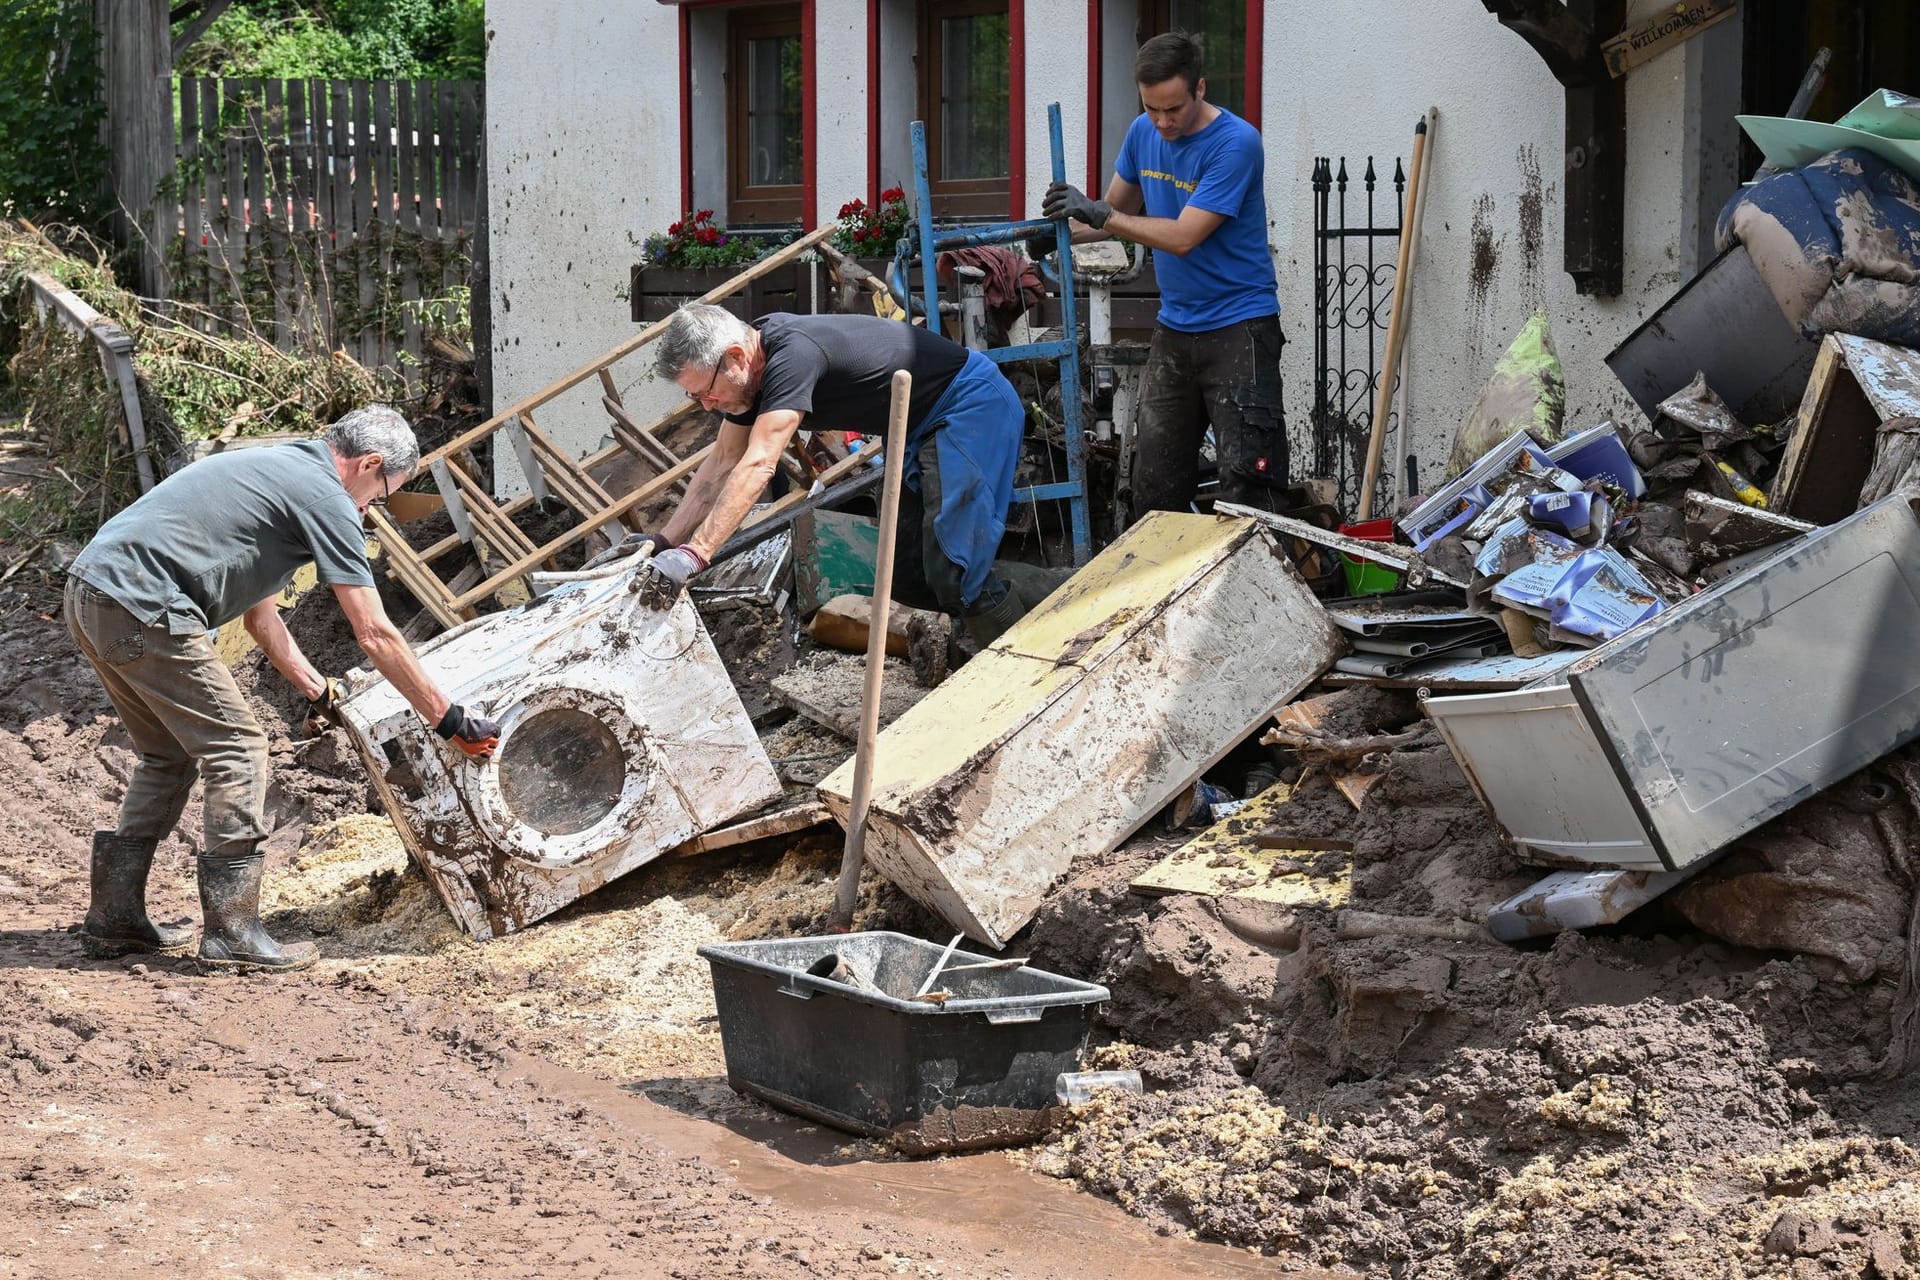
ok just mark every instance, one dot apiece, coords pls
pixel 473 734
pixel 631 545
pixel 323 709
pixel 1040 246
pixel 1066 201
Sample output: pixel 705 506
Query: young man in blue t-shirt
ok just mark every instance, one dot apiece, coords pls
pixel 1187 184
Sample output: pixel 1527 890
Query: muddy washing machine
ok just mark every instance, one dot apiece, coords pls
pixel 621 736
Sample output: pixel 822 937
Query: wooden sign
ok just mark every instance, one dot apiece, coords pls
pixel 1666 28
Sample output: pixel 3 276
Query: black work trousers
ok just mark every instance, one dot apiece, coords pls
pixel 1227 378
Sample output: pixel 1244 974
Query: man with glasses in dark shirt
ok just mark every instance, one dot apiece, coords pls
pixel 782 372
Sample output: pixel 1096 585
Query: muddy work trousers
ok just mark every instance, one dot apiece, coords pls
pixel 186 717
pixel 1227 378
pixel 924 576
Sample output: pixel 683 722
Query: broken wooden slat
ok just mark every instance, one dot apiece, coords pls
pixel 1856 385
pixel 782 822
pixel 828 689
pixel 1225 861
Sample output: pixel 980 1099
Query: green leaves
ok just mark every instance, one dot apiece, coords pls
pixel 52 162
pixel 368 39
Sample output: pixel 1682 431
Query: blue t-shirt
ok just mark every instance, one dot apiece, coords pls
pixel 1228 277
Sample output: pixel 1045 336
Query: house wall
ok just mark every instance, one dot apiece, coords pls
pixel 1351 78
pixel 582 159
pixel 583 147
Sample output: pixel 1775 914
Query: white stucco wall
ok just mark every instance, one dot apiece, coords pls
pixel 1056 72
pixel 1495 154
pixel 583 149
pixel 840 104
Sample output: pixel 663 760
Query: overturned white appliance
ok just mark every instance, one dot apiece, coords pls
pixel 1659 749
pixel 1088 717
pixel 621 736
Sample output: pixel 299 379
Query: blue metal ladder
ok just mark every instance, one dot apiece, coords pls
pixel 1065 348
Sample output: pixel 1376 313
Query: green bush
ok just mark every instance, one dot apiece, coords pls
pixel 366 39
pixel 52 161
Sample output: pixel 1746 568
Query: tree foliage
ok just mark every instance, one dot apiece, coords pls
pixel 364 39
pixel 52 161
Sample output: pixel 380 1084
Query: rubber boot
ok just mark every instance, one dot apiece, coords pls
pixel 930 648
pixel 232 939
pixel 1032 582
pixel 117 923
pixel 984 628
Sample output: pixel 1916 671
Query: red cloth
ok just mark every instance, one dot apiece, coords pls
pixel 1012 284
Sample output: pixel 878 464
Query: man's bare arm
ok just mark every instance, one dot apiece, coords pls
pixel 766 441
pixel 264 624
pixel 390 653
pixel 708 482
pixel 1178 236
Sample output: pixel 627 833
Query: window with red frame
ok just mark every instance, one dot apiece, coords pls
pixel 765 167
pixel 966 54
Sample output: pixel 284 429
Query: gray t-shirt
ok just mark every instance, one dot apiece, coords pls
pixel 214 539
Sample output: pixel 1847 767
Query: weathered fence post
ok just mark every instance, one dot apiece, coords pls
pixel 137 70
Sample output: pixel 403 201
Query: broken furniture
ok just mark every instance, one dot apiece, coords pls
pixel 621 737
pixel 1857 384
pixel 1759 366
pixel 1660 748
pixel 933 1051
pixel 1088 717
pixel 507 553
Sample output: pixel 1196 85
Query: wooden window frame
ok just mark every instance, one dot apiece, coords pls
pixel 1156 18
pixel 748 204
pixel 968 197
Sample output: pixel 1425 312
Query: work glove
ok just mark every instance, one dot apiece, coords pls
pixel 1040 246
pixel 474 734
pixel 659 583
pixel 323 709
pixel 629 546
pixel 1066 201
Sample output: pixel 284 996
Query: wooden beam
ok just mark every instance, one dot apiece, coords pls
pixel 210 12
pixel 772 262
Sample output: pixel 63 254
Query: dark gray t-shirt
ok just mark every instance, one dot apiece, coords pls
pixel 838 370
pixel 214 539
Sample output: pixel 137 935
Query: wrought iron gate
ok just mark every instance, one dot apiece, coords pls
pixel 1353 270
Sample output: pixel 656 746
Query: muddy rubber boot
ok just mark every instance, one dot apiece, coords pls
pixel 1033 582
pixel 117 923
pixel 984 628
pixel 232 939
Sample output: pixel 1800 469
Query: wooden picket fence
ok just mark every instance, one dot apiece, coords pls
pixel 325 210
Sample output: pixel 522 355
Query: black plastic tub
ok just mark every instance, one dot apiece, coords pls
pixel 975 1070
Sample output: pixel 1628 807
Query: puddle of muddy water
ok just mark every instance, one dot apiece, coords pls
pixel 1001 1206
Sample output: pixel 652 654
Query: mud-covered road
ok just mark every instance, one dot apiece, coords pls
pixel 374 1117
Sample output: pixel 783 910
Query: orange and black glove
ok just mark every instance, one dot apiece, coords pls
pixel 323 709
pixel 474 734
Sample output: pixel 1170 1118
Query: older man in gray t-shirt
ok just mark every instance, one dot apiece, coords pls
pixel 220 540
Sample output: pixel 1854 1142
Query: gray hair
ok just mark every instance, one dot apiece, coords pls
pixel 376 428
pixel 697 338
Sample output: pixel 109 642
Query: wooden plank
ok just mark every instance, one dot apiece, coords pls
pixel 381 156
pixel 1670 26
pixel 1854 382
pixel 446 111
pixel 192 193
pixel 828 688
pixel 1224 861
pixel 406 175
pixel 279 212
pixel 253 211
pixel 360 149
pixel 467 153
pixel 567 382
pixel 426 188
pixel 523 565
pixel 781 822
pixel 641 442
pixel 413 574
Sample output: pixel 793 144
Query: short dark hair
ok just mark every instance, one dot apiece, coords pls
pixel 1162 58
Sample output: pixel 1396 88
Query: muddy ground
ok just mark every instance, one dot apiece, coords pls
pixel 1647 1100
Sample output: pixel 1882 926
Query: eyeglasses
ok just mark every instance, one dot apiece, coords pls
pixel 699 396
pixel 386 491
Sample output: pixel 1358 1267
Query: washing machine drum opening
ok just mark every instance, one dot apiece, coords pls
pixel 561 771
